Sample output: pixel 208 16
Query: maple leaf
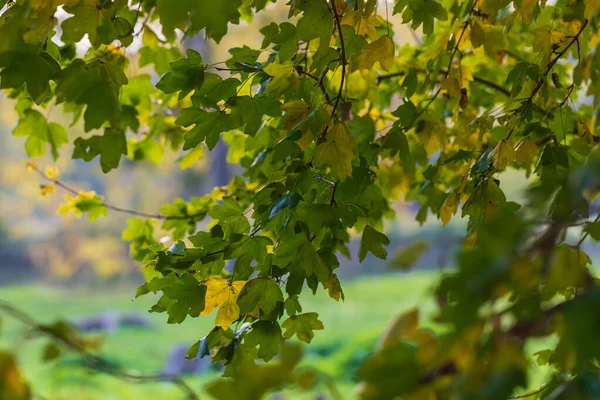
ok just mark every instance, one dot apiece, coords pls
pixel 223 294
pixel 382 51
pixel 372 241
pixel 302 326
pixel 337 152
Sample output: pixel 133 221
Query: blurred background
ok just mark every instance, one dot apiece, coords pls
pixel 60 267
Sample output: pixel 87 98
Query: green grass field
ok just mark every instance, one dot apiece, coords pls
pixel 351 331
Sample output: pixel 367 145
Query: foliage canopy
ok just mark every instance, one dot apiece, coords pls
pixel 332 121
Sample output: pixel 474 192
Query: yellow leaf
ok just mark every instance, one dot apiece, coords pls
pixel 465 350
pixel 86 195
pixel 382 51
pixel 526 150
pixel 334 288
pixel 52 173
pixel 477 35
pixel 69 205
pixel 470 242
pixel 188 160
pixel 526 10
pixel 46 189
pixel 452 86
pixel 364 25
pixel 503 154
pixel 284 76
pixel 340 6
pixel 12 383
pixel 295 111
pixel 222 294
pixel 591 6
pixel 449 208
pixel 337 152
pixel 31 165
pixel 306 140
pixel 405 326
pixel 545 40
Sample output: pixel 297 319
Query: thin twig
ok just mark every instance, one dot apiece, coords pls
pixel 542 80
pixel 532 393
pixel 454 51
pixel 113 207
pixel 477 79
pixel 344 61
pixel 96 362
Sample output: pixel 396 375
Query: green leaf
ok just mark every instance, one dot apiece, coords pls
pixel 185 75
pixel 302 326
pixel 33 125
pixel 248 112
pixel 101 23
pixel 316 22
pixel 407 113
pixel 337 152
pixel 231 216
pixel 30 67
pixel 260 291
pixel 407 256
pixel 110 147
pixel 214 16
pixel 208 126
pixel 189 298
pixel 266 335
pixel 214 89
pixel 309 260
pixel 95 84
pixel 373 241
pixel 289 200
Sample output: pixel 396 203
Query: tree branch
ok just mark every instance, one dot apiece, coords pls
pixel 344 61
pixel 477 79
pixel 93 361
pixel 109 206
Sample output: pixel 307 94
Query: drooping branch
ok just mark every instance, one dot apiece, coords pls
pixel 551 64
pixel 109 206
pixel 452 55
pixel 93 361
pixel 476 79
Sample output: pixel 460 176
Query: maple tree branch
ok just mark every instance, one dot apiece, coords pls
pixel 318 82
pixel 462 34
pixel 344 61
pixel 542 80
pixel 477 79
pixel 109 206
pixel 532 393
pixel 94 361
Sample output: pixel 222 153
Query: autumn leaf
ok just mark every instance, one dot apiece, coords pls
pixel 382 51
pixel 449 208
pixel 337 152
pixel 223 294
pixel 503 154
pixel 525 151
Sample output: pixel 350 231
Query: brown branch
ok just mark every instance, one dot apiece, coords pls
pixel 96 362
pixel 477 79
pixel 344 61
pixel 109 206
pixel 542 80
pixel 532 393
pixel 436 94
pixel 318 82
